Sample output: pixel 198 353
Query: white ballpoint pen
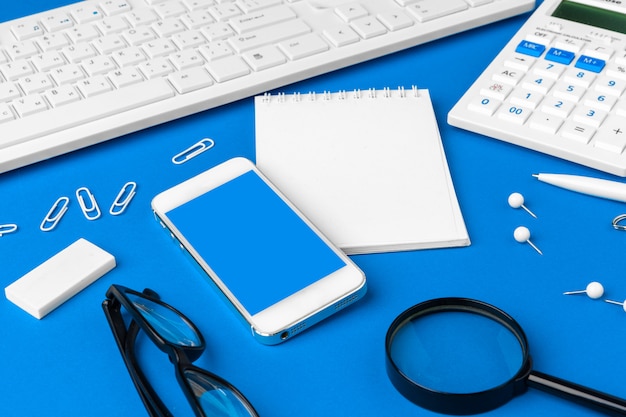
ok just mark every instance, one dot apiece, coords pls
pixel 596 187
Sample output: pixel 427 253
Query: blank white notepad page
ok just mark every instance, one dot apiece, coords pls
pixel 367 167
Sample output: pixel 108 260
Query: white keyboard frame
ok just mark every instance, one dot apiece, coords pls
pixel 258 82
pixel 541 24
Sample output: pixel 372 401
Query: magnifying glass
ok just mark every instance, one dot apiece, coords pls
pixel 462 356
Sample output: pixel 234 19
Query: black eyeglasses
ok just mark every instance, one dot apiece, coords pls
pixel 174 334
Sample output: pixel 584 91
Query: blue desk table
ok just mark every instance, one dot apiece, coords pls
pixel 67 364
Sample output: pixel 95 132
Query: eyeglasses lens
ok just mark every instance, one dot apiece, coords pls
pixel 216 399
pixel 166 322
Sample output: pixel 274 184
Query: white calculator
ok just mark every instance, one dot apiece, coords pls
pixel 558 86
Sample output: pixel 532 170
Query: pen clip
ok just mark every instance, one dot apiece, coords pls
pixel 54 215
pixel 121 203
pixel 193 151
pixel 93 205
pixel 5 229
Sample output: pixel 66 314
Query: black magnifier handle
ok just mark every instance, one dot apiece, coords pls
pixel 588 397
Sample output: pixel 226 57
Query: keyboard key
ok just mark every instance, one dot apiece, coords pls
pixel 85 14
pixel 14 70
pixel 78 53
pixel 589 116
pixel 156 68
pixel 612 135
pixel 610 86
pixel 557 107
pixel 262 18
pixel 590 64
pixel 25 31
pixel 128 56
pixel 520 62
pixel 93 86
pixel 249 6
pixel 82 33
pixel 113 7
pixel 186 59
pixel 530 48
pixel 368 27
pixel 22 50
pixel 35 83
pixel 64 94
pixel 228 68
pixel 111 25
pixel 28 105
pixel 427 10
pixel 569 92
pixel 341 35
pixel 508 76
pixel 395 20
pixel 549 70
pixel 484 105
pixel 196 20
pixel 75 114
pixel 514 114
pixel 496 90
pixel 52 41
pixel 545 122
pixel 561 56
pixel 5 113
pixel 600 101
pixel 303 46
pixel 526 98
pixel 269 35
pixel 56 22
pixel 170 9
pixel 577 132
pixel 124 77
pixel 224 12
pixel 47 61
pixel 190 80
pixel 9 91
pixel 579 77
pixel 67 74
pixel 216 50
pixel 264 58
pixel 537 83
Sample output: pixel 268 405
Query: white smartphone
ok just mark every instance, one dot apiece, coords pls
pixel 272 265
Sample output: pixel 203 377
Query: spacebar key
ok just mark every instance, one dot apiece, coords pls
pixel 84 111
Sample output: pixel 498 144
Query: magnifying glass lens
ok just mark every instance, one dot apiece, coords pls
pixel 456 352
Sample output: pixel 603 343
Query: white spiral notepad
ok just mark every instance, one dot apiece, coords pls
pixel 367 167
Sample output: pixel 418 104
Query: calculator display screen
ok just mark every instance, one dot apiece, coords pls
pixel 591 15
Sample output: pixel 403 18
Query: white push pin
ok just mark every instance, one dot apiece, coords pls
pixel 522 235
pixel 516 200
pixel 618 303
pixel 594 290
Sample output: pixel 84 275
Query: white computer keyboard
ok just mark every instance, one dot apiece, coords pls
pixel 557 87
pixel 94 70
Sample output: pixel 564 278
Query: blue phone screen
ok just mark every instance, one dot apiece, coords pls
pixel 254 242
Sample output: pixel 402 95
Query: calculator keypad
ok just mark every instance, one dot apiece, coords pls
pixel 552 84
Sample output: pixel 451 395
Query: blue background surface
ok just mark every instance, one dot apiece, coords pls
pixel 68 365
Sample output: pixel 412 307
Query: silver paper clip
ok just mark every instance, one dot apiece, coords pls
pixel 53 217
pixel 193 151
pixel 93 205
pixel 5 229
pixel 119 205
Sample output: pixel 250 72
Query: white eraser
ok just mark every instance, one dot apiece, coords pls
pixel 56 280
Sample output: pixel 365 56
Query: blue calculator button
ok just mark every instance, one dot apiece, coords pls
pixel 560 56
pixel 590 64
pixel 530 48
